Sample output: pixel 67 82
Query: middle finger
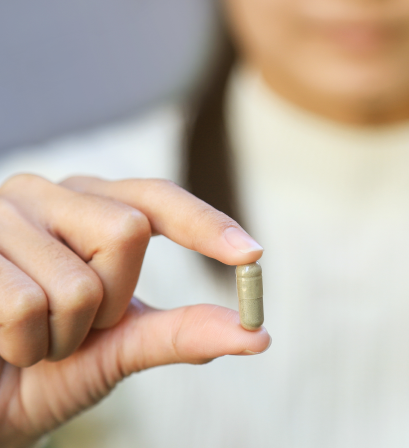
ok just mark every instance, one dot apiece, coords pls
pixel 109 236
pixel 73 290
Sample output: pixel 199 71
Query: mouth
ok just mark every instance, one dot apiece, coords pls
pixel 360 37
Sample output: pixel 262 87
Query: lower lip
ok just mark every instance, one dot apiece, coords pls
pixel 358 38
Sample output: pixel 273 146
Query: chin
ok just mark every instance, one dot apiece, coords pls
pixel 375 89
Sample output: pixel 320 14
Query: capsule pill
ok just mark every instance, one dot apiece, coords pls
pixel 250 291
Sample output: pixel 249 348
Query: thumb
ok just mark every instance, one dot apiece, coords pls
pixel 55 391
pixel 146 337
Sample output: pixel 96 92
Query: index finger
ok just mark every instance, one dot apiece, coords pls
pixel 178 215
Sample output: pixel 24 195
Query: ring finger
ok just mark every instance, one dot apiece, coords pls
pixel 23 317
pixel 73 290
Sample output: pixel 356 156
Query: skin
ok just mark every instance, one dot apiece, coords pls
pixel 70 254
pixel 346 60
pixel 70 257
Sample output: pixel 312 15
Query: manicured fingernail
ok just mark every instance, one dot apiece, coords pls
pixel 241 241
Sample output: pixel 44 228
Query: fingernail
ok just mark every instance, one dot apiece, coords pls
pixel 241 240
pixel 249 352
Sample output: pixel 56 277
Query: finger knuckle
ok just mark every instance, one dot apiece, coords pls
pixel 21 181
pixel 178 341
pixel 83 293
pixel 24 360
pixel 133 226
pixel 29 304
pixel 185 347
pixel 77 183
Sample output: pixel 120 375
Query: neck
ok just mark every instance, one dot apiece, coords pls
pixel 345 108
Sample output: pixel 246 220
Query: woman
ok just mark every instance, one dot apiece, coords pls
pixel 316 119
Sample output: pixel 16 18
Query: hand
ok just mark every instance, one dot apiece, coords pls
pixel 70 257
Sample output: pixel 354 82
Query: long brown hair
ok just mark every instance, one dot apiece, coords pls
pixel 208 165
pixel 209 172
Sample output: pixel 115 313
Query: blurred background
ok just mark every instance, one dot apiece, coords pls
pixel 69 65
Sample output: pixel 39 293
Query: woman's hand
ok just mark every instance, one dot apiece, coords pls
pixel 70 257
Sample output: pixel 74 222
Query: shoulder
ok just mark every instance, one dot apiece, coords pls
pixel 147 146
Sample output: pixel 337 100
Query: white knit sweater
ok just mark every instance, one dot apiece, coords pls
pixel 330 205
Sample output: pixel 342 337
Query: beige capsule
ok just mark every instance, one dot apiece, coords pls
pixel 250 291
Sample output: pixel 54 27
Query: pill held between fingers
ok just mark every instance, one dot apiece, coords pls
pixel 250 291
